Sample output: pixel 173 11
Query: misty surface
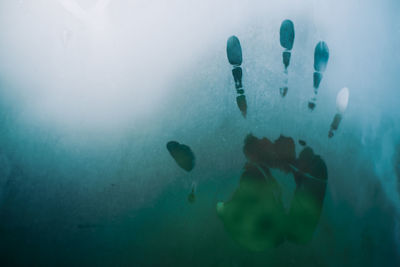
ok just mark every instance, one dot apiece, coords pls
pixel 90 94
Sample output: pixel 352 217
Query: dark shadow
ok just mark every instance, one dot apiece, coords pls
pixel 182 154
pixel 255 216
pixel 335 124
pixel 234 53
pixel 321 57
pixel 286 39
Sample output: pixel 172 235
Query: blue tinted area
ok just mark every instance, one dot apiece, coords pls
pixel 91 93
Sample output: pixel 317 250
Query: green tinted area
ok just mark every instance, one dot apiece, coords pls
pixel 255 215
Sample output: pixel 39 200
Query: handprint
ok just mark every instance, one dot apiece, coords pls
pixel 255 215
